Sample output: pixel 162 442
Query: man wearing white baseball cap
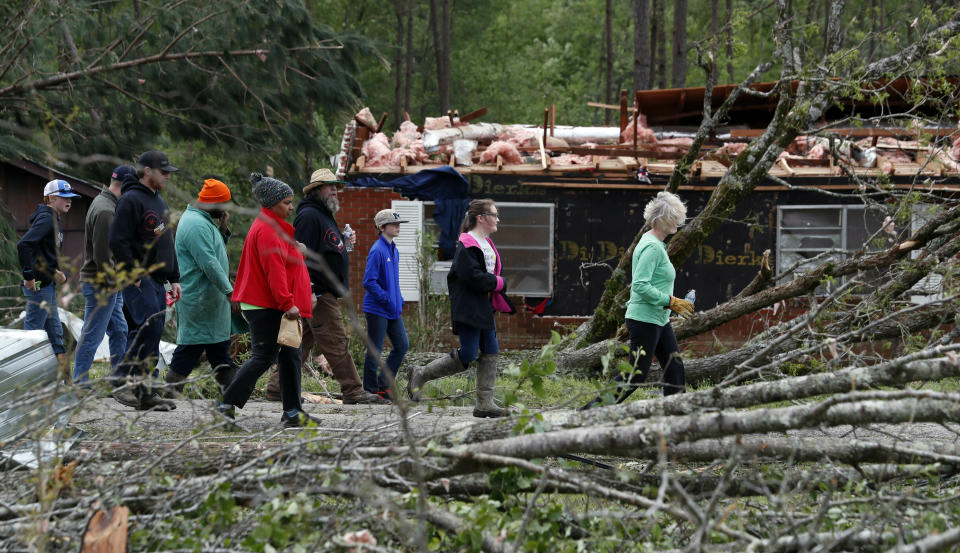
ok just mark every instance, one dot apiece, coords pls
pixel 383 304
pixel 39 250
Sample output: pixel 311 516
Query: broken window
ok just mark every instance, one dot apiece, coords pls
pixel 809 235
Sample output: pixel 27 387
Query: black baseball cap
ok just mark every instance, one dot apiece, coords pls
pixel 155 159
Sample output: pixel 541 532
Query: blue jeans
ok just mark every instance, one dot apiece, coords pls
pixel 473 339
pixel 377 327
pixel 147 307
pixel 102 314
pixel 42 315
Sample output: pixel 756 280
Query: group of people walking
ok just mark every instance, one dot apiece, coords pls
pixel 135 265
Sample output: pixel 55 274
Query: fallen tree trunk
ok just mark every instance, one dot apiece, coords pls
pixel 940 231
pixel 814 450
pixel 856 409
pixel 918 367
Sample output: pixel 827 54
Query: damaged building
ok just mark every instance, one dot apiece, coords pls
pixel 571 198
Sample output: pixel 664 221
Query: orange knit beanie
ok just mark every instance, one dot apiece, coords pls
pixel 214 192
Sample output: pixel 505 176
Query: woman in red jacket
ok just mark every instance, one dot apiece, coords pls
pixel 272 283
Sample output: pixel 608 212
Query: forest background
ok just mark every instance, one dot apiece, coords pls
pixel 273 83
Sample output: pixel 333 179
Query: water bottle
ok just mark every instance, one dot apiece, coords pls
pixel 691 296
pixel 347 235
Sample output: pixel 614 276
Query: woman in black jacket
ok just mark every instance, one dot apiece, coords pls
pixel 476 291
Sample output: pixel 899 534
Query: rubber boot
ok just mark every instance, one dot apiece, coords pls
pixel 446 365
pixel 486 378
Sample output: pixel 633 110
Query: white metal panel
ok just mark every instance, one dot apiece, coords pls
pixel 406 242
pixel 26 362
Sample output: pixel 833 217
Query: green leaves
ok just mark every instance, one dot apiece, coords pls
pixel 247 78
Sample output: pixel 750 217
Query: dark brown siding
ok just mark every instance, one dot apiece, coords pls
pixel 22 190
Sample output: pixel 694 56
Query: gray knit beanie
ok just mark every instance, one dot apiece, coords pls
pixel 269 191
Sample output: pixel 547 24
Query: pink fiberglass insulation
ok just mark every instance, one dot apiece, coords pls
pixel 594 156
pixel 888 143
pixel 367 118
pixel 674 145
pixel 818 151
pixel 407 135
pixel 727 152
pixel 520 137
pixel 572 159
pixel 504 149
pixel 376 150
pixel 644 134
pixel 398 154
pixel 376 146
pixel 435 123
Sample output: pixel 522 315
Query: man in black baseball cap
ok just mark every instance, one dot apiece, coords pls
pixel 155 159
pixel 141 241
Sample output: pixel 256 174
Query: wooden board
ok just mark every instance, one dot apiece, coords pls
pixel 107 532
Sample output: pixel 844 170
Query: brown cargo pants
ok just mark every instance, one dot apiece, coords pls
pixel 325 331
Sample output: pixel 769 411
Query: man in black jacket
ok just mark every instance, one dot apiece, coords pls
pixel 315 227
pixel 38 251
pixel 142 244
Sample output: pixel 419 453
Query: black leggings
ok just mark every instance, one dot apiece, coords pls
pixel 265 351
pixel 654 340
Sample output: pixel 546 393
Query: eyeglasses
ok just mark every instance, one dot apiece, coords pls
pixel 494 215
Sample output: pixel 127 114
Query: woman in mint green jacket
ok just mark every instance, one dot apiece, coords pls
pixel 652 300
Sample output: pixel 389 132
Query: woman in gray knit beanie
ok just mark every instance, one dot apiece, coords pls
pixel 268 191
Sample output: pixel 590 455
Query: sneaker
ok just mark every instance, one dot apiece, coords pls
pixel 365 398
pixel 125 396
pixel 385 394
pixel 151 401
pixel 299 420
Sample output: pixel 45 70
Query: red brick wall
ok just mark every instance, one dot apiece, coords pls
pixel 359 205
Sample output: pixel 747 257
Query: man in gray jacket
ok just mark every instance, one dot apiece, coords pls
pixel 103 312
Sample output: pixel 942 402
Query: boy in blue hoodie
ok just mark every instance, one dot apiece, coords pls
pixel 38 251
pixel 383 303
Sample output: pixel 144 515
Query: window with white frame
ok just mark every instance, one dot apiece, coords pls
pixel 808 231
pixel 524 239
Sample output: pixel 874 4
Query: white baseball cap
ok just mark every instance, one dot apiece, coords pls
pixel 59 188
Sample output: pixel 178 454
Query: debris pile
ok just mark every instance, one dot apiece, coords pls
pixel 459 141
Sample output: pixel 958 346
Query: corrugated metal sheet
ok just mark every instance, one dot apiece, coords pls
pixel 26 362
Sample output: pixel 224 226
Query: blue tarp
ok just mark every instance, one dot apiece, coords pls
pixel 445 187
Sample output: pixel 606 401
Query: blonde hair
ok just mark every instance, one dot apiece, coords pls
pixel 665 208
